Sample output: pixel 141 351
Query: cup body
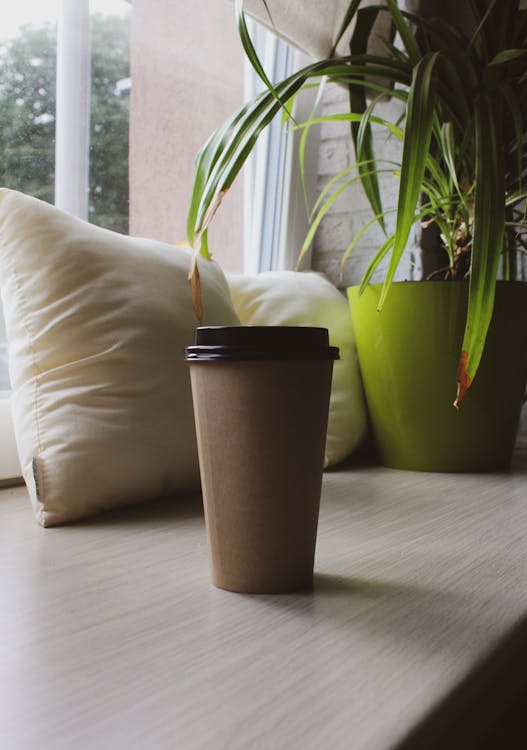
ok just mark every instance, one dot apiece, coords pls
pixel 261 429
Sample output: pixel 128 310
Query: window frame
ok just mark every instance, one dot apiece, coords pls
pixel 72 117
pixel 10 470
pixel 276 218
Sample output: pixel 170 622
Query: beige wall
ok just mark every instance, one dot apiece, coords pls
pixel 187 77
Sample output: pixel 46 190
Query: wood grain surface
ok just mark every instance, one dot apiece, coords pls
pixel 111 635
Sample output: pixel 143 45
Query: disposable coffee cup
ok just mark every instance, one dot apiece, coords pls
pixel 261 401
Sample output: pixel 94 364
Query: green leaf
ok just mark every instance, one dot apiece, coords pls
pixel 478 34
pixel 514 106
pixel 364 228
pixel 204 247
pixel 506 56
pixel 303 141
pixel 489 221
pixel 250 51
pixel 352 117
pixel 456 83
pixel 520 28
pixel 418 132
pixel 224 154
pixel 407 38
pixel 230 155
pixel 361 131
pixel 205 161
pixel 449 146
pixel 377 258
pixel 338 177
pixel 323 211
pixel 348 17
pixel 518 197
pixel 269 16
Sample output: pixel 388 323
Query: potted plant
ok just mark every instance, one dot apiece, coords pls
pixel 464 172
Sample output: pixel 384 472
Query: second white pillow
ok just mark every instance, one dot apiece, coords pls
pixel 309 299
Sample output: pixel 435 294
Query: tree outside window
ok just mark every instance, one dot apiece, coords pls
pixel 27 122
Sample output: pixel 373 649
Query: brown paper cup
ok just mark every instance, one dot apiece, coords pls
pixel 261 429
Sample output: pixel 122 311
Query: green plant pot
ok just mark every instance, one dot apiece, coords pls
pixel 408 356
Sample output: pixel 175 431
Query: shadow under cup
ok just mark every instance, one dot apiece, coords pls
pixel 261 401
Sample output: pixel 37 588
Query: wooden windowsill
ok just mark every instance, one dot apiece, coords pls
pixel 414 634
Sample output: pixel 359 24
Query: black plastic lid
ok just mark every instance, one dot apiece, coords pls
pixel 260 342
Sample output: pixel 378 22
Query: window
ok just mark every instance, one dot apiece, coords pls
pixel 63 139
pixel 68 134
pixel 93 53
pixel 276 215
pixel 92 113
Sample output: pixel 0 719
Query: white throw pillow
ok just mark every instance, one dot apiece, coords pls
pixel 97 324
pixel 309 299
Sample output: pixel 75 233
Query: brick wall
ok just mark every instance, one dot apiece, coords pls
pixel 352 210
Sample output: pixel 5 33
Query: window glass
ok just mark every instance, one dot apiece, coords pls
pixel 28 56
pixel 110 109
pixel 27 97
pixel 27 104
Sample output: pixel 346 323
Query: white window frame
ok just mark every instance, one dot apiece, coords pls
pixel 72 124
pixel 275 216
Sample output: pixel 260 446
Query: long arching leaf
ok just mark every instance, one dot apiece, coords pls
pixel 381 253
pixel 205 161
pixel 489 225
pixel 410 45
pixel 364 228
pixel 323 211
pixel 361 132
pixel 418 132
pixel 226 151
pixel 250 51
pixel 348 17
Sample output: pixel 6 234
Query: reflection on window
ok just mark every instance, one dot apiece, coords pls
pixel 27 110
pixel 110 107
pixel 27 107
pixel 28 38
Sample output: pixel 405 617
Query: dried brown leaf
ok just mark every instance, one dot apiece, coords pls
pixel 463 379
pixel 195 285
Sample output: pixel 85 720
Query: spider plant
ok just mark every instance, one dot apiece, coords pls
pixel 464 163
